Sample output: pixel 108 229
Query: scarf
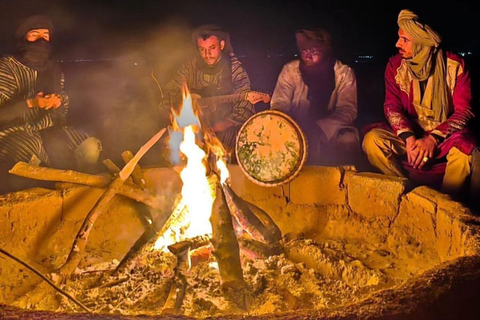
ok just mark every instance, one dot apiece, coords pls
pixel 428 60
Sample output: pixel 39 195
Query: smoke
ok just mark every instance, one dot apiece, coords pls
pixel 115 89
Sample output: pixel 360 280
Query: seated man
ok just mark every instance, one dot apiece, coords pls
pixel 215 71
pixel 320 93
pixel 33 108
pixel 428 108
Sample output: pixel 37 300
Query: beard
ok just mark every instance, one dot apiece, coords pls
pixel 35 54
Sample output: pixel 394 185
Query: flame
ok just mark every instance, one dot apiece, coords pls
pixel 197 193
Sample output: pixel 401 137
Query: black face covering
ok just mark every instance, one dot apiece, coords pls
pixel 35 54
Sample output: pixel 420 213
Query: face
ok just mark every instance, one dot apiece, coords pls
pixel 36 34
pixel 404 44
pixel 312 56
pixel 210 49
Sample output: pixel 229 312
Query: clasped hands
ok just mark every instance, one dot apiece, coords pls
pixel 42 101
pixel 420 151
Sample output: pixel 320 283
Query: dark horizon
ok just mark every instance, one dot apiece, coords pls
pixel 92 29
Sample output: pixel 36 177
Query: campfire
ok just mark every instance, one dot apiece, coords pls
pixel 224 248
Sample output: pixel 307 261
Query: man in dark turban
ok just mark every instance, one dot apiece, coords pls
pixel 320 93
pixel 428 108
pixel 33 108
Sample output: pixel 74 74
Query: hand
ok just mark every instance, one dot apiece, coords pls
pixel 222 125
pixel 49 101
pixel 424 149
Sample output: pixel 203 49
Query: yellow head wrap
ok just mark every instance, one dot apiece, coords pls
pixel 427 55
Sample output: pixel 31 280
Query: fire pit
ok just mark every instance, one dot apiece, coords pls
pixel 354 245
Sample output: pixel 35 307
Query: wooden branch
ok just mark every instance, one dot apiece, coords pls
pixel 242 212
pixel 112 167
pixel 26 170
pixel 38 273
pixel 190 244
pixel 102 204
pixel 226 249
pixel 137 174
pixel 178 285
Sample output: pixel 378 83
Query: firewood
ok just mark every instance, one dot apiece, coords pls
pixel 243 214
pixel 102 204
pixel 137 174
pixel 26 170
pixel 178 285
pixel 190 244
pixel 111 166
pixel 226 249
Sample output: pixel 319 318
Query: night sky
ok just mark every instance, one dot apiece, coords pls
pixel 106 29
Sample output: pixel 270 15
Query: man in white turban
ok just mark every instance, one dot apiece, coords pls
pixel 428 108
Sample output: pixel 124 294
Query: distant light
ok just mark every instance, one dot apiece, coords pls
pixel 462 54
pixel 136 64
pixel 296 55
pixel 356 61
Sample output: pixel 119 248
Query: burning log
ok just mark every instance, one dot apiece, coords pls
pixel 257 249
pixel 158 227
pixel 179 284
pixel 26 170
pixel 226 249
pixel 190 244
pixel 259 227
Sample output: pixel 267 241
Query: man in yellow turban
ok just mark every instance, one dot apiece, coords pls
pixel 428 108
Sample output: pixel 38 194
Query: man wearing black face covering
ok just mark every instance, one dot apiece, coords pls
pixel 320 93
pixel 33 108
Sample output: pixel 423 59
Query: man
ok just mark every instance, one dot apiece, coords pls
pixel 320 93
pixel 213 72
pixel 428 108
pixel 33 107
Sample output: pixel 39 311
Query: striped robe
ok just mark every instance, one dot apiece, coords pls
pixel 196 80
pixel 20 126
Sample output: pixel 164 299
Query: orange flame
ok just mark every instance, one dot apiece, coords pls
pixel 197 194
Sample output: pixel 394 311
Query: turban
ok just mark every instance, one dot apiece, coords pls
pixel 33 22
pixel 317 38
pixel 428 60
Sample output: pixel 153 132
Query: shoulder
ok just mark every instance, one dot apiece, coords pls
pixel 235 62
pixel 395 61
pixel 292 65
pixel 455 64
pixel 341 68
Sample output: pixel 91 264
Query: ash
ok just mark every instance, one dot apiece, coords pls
pixel 307 276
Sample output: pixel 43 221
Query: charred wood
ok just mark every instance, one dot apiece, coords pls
pixel 251 223
pixel 226 249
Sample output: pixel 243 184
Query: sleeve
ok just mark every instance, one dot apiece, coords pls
pixel 9 109
pixel 393 108
pixel 462 108
pixel 241 84
pixel 345 111
pixel 283 94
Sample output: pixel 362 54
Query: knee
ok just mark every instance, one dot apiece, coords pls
pixel 88 151
pixel 371 141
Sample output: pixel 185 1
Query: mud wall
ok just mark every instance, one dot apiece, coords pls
pixel 39 225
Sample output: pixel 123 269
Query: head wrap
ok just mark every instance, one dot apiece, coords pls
pixel 428 60
pixel 314 38
pixel 208 30
pixel 33 22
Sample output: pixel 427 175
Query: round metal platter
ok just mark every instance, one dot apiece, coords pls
pixel 271 149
